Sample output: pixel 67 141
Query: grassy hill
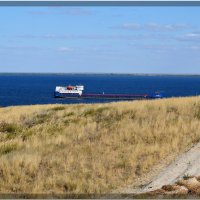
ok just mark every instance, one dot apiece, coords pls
pixel 91 148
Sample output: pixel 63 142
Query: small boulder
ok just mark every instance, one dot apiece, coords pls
pixel 192 184
pixel 198 178
pixel 175 189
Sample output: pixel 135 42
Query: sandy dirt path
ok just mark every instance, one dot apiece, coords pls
pixel 187 164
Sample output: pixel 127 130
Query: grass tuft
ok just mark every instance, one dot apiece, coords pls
pixel 9 127
pixel 187 176
pixel 38 118
pixel 5 149
pixel 58 108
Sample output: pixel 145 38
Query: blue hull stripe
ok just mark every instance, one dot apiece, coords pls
pixel 62 95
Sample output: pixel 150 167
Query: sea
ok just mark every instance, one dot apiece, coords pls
pixel 30 89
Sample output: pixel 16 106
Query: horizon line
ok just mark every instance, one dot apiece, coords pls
pixel 104 73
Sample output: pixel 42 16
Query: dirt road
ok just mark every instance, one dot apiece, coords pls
pixel 187 164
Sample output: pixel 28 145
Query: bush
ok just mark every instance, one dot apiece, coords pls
pixel 58 108
pixel 8 127
pixel 68 114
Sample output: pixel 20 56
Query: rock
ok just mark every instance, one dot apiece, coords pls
pixel 175 189
pixel 198 178
pixel 192 184
pixel 182 187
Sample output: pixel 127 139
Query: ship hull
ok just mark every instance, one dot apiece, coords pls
pixel 107 96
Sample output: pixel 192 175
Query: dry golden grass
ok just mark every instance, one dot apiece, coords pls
pixel 91 148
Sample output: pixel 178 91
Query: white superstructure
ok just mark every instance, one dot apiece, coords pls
pixel 71 90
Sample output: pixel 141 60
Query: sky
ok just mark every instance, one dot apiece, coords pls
pixel 100 39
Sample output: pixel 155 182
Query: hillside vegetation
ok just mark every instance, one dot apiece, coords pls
pixel 91 148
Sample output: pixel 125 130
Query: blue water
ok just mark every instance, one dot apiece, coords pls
pixel 28 89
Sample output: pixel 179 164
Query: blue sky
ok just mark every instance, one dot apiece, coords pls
pixel 100 39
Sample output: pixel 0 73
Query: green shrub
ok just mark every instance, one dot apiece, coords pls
pixel 68 114
pixel 89 112
pixel 197 112
pixel 27 134
pixel 58 108
pixel 9 127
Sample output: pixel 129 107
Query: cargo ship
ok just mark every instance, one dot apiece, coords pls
pixel 77 92
pixel 69 91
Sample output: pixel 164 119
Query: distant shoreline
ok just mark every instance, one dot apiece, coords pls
pixel 87 73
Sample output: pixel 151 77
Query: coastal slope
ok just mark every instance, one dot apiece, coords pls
pixel 92 148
